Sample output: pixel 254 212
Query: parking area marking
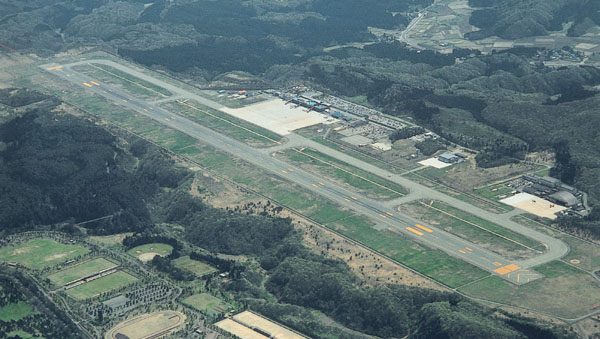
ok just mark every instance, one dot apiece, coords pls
pixel 414 231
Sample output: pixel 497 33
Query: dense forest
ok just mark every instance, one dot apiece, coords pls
pixel 513 19
pixel 56 168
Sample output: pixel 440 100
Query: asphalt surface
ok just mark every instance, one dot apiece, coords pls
pixel 385 213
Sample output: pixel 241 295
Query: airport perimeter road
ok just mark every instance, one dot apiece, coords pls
pixel 516 272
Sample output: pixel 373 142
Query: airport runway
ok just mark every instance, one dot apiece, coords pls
pixel 516 272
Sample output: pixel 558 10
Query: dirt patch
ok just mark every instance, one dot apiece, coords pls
pixel 57 256
pixel 466 178
pixel 145 257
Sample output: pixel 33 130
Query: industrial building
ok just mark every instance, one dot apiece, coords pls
pixel 449 158
pixel 564 198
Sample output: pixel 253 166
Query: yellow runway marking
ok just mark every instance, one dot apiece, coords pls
pixel 95 83
pixel 284 171
pixel 463 252
pixel 145 110
pixel 390 214
pixel 507 269
pixel 290 169
pixel 518 277
pixel 315 185
pixel 166 119
pixel 424 228
pixel 124 100
pixel 414 231
pixel 86 84
pixel 497 263
pixel 468 249
pixel 322 184
pixel 383 216
pixel 348 200
pixel 54 68
pixel 354 198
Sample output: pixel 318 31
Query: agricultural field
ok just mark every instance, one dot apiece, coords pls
pixel 40 253
pixel 565 291
pixel 467 226
pixel 206 303
pixel 147 252
pixel 98 286
pixel 79 271
pixel 197 267
pixel 153 325
pixel 366 183
pixel 224 123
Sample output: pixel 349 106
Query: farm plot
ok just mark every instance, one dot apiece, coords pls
pixel 147 252
pixel 40 253
pixel 98 286
pixel 152 325
pixel 76 272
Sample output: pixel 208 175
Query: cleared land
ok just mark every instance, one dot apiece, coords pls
pixel 153 325
pixel 253 320
pixel 206 303
pixel 467 226
pixel 40 253
pixel 278 117
pixel 534 205
pixel 79 271
pixel 224 123
pixel 565 291
pixel 197 267
pixel 365 182
pixel 98 286
pixel 131 84
pixel 147 252
pixel 16 311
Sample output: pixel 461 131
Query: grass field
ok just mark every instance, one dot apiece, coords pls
pixel 22 334
pixel 432 263
pixel 147 251
pixel 224 123
pixel 40 253
pixel 197 267
pixel 95 287
pixel 206 303
pixel 79 271
pixel 583 254
pixel 564 291
pixel 494 192
pixel 467 226
pixel 16 311
pixel 135 86
pixel 367 183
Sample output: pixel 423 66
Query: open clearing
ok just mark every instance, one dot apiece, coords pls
pixel 253 320
pixel 147 252
pixel 152 325
pixel 223 123
pixel 206 303
pixel 197 267
pixel 366 183
pixel 434 162
pixel 129 83
pixel 534 205
pixel 40 253
pixel 98 286
pixel 79 271
pixel 467 226
pixel 16 311
pixel 565 291
pixel 278 117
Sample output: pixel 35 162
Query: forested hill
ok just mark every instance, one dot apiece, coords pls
pixel 57 168
pixel 513 19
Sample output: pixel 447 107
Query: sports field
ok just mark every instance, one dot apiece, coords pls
pixel 152 325
pixel 40 253
pixel 79 271
pixel 95 287
pixel 147 252
pixel 207 303
pixel 16 311
pixel 197 267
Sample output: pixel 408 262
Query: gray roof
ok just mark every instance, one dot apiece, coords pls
pixel 550 179
pixel 565 197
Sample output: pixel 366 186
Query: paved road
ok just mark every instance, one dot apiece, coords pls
pixel 384 212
